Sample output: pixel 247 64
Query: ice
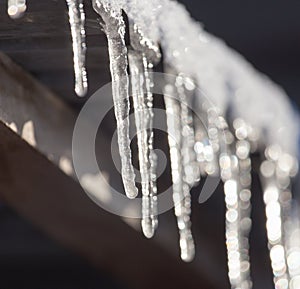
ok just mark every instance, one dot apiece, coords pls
pixel 114 28
pixel 181 189
pixel 189 49
pixel 77 22
pixel 143 119
pixel 223 82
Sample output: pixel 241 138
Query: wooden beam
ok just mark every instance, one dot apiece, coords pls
pixel 38 190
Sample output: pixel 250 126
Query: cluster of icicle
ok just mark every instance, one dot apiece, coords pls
pixel 261 120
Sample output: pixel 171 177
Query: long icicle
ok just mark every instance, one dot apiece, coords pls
pixel 276 173
pixel 114 28
pixel 148 66
pixel 229 171
pixel 274 225
pixel 150 54
pixel 77 22
pixel 242 149
pixel 235 171
pixel 233 238
pixel 142 119
pixel 181 190
pixel 245 217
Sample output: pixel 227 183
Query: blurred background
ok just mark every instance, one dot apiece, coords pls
pixel 265 32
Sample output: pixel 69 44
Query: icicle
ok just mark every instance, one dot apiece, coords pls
pixel 229 171
pixel 234 168
pixel 276 172
pixel 181 190
pixel 242 150
pixel 77 22
pixel 114 28
pixel 230 167
pixel 149 54
pixel 274 232
pixel 152 156
pixel 190 168
pixel 16 8
pixel 142 119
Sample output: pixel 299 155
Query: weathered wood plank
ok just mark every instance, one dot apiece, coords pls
pixel 56 203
